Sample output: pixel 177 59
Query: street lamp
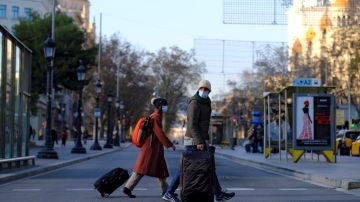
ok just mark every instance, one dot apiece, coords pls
pixel 96 145
pixel 122 121
pixel 48 151
pixel 78 148
pixel 117 105
pixel 108 143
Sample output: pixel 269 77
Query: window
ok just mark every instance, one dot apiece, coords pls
pixel 27 13
pixel 2 11
pixel 15 12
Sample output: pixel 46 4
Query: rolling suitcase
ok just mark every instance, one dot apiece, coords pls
pixel 110 181
pixel 197 176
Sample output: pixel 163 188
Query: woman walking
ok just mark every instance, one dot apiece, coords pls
pixel 64 136
pixel 151 160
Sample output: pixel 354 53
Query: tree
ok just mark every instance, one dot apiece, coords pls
pixel 69 40
pixel 175 70
pixel 271 68
pixel 270 74
pixel 345 71
pixel 135 81
pixel 355 76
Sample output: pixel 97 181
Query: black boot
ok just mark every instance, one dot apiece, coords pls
pixel 127 191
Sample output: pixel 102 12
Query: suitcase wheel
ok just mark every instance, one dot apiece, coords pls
pixel 104 194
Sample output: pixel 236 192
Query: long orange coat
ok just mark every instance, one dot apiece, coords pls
pixel 151 160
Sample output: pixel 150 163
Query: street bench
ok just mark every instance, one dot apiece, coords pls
pixel 17 161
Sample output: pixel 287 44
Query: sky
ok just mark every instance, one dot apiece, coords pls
pixel 153 24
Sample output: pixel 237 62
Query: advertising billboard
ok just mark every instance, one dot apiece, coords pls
pixel 313 121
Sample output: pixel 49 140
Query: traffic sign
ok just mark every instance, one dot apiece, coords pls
pixel 97 112
pixel 306 82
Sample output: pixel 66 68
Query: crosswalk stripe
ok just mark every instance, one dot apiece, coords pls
pixel 293 189
pixel 27 189
pixel 80 189
pixel 240 189
pixel 141 189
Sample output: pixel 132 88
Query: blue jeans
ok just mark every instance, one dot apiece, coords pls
pixel 176 179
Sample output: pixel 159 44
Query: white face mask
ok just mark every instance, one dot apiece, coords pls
pixel 164 108
pixel 203 94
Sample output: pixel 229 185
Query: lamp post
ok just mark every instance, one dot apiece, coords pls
pixel 117 105
pixel 109 140
pixel 78 148
pixel 122 121
pixel 96 145
pixel 49 51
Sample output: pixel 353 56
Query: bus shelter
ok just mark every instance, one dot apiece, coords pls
pixel 15 85
pixel 220 130
pixel 285 128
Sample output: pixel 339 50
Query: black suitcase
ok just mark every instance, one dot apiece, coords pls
pixel 197 176
pixel 113 179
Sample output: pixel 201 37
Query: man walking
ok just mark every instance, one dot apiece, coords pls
pixel 197 136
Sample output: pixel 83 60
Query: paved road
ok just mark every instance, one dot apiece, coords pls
pixel 75 183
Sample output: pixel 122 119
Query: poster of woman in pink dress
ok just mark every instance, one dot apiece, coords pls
pixel 306 126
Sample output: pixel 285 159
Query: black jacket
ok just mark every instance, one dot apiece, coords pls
pixel 198 120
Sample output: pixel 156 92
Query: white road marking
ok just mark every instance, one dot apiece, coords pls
pixel 141 189
pixel 80 189
pixel 240 189
pixel 293 189
pixel 146 189
pixel 26 189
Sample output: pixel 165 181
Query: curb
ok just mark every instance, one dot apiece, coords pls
pixel 350 184
pixel 35 171
pixel 330 182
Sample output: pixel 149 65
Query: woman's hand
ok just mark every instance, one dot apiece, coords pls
pixel 200 147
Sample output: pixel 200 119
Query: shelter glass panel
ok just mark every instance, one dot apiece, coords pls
pixel 9 137
pixel 1 56
pixel 15 69
pixel 1 109
pixel 17 128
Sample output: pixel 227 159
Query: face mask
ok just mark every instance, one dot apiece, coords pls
pixel 164 108
pixel 203 94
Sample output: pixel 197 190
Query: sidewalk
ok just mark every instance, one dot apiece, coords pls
pixel 65 158
pixel 311 167
pixel 343 175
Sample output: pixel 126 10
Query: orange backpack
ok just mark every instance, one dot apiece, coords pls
pixel 141 131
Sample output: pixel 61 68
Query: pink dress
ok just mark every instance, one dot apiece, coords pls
pixel 306 132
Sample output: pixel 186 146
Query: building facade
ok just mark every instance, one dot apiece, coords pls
pixel 15 78
pixel 12 10
pixel 323 43
pixel 10 13
pixel 79 10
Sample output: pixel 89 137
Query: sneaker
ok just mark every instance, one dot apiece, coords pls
pixel 128 192
pixel 170 197
pixel 223 196
pixel 174 194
